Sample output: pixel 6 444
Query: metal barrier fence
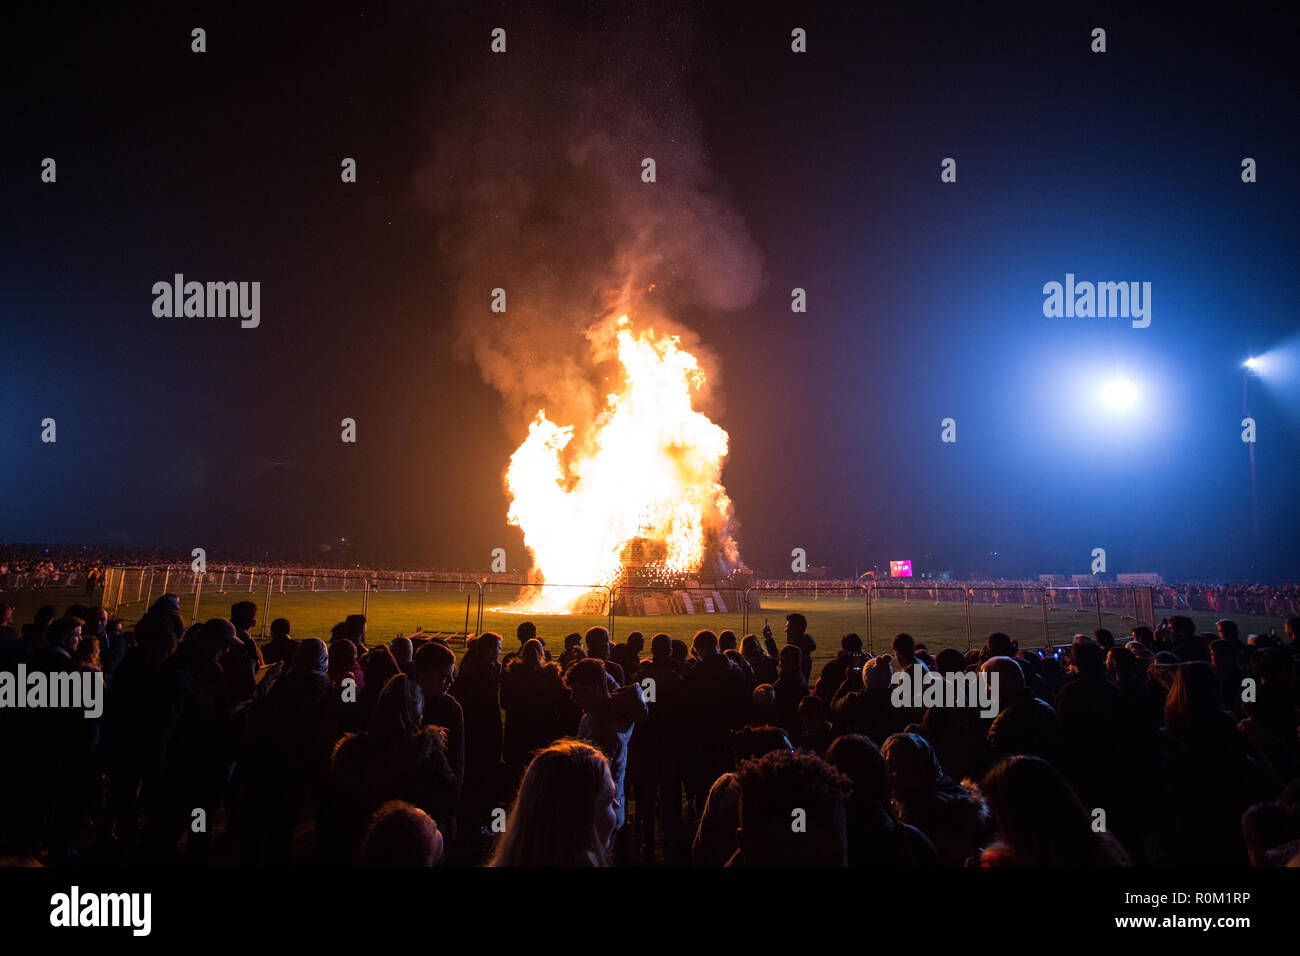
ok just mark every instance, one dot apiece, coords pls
pixel 41 580
pixel 1009 609
pixel 554 609
pixel 890 605
pixel 850 594
pixel 1016 609
pixel 335 595
pixel 457 606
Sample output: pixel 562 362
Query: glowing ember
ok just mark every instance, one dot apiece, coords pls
pixel 650 468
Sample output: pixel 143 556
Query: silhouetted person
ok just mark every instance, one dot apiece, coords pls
pixel 654 753
pixel 478 688
pixel 1104 638
pixel 200 751
pixel 281 646
pixel 875 835
pixel 774 787
pixel 355 630
pixel 525 632
pixel 790 689
pixel 1099 751
pixel 1024 724
pixel 111 647
pixel 33 633
pixel 137 726
pixel 537 708
pixel 61 744
pixel 288 754
pixel 435 667
pixel 815 732
pixel 716 700
pixel 572 651
pixel 401 835
pixel 377 669
pixel 1209 774
pixel 1224 658
pixel 597 641
pixel 905 654
pixel 928 799
pixel 849 658
pixel 566 812
pixel 760 662
pixel 715 837
pixel 628 655
pixel 1039 821
pixel 609 714
pixel 796 633
pixel 347 684
pixel 239 666
pixel 403 653
pixel 397 757
pixel 869 709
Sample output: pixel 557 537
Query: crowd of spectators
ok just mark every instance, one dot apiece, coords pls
pixel 1169 748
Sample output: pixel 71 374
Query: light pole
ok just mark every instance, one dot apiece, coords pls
pixel 1250 367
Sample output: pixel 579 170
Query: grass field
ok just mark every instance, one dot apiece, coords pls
pixel 313 613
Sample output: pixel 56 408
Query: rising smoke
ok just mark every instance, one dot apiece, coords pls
pixel 535 175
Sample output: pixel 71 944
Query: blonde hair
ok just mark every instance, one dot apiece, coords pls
pixel 553 819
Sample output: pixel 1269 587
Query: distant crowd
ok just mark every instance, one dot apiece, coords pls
pixel 39 566
pixel 1170 748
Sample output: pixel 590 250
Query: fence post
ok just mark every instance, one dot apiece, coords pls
pixel 1097 597
pixel 198 588
pixel 866 593
pixel 869 589
pixel 478 626
pixel 266 609
pixel 149 590
pixel 1047 637
pixel 117 602
pixel 610 592
pixel 970 640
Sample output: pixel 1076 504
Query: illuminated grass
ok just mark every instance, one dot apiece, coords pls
pixel 312 614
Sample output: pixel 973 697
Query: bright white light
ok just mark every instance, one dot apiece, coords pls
pixel 1254 364
pixel 1119 394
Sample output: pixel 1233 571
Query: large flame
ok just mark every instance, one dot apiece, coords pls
pixel 651 468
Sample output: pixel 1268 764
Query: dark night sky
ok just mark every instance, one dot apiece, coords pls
pixel 925 298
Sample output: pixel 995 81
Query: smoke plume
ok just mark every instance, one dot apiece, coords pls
pixel 535 176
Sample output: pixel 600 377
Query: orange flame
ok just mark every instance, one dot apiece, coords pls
pixel 651 469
